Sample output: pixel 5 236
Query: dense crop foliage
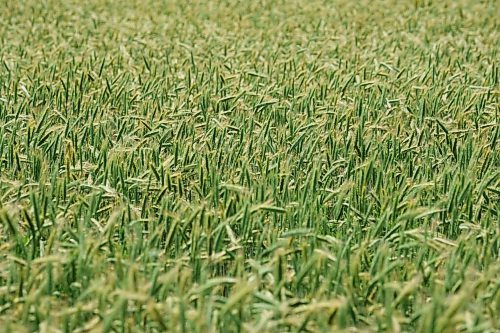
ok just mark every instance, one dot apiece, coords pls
pixel 256 166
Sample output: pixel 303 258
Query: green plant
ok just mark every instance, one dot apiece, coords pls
pixel 249 166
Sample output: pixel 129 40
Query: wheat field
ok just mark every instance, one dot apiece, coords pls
pixel 249 166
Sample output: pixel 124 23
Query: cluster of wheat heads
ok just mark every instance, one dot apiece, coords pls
pixel 249 166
